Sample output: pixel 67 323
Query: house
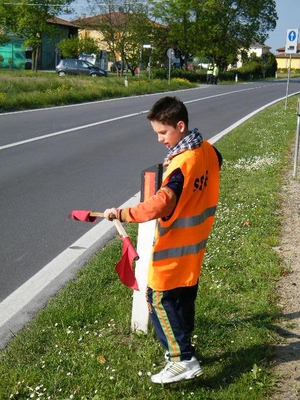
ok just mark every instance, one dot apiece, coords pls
pixel 15 55
pixel 111 41
pixel 50 55
pixel 89 28
pixel 256 48
pixel 283 58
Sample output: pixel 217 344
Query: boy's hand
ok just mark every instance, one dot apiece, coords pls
pixel 110 213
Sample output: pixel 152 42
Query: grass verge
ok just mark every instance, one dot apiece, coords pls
pixel 80 345
pixel 22 90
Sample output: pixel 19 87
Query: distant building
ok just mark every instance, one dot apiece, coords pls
pixel 15 55
pixel 90 27
pixel 283 58
pixel 256 48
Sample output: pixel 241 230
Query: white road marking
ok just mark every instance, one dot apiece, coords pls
pixel 49 135
pixel 241 121
pixel 77 128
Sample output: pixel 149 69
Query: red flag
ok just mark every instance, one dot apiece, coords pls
pixel 129 254
pixel 124 266
pixel 82 215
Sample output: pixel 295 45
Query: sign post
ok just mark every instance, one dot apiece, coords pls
pixel 291 46
pixel 297 140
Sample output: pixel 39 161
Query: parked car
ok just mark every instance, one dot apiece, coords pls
pixel 73 66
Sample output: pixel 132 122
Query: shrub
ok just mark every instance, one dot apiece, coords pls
pixel 191 76
pixel 250 71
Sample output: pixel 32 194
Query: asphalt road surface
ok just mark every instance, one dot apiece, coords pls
pixel 90 156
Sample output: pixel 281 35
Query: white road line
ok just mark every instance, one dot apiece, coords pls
pixel 50 135
pixel 7 146
pixel 241 121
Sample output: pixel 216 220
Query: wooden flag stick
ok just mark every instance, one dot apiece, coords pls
pixel 96 214
pixel 117 223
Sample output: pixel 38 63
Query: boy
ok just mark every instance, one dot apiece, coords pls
pixel 184 207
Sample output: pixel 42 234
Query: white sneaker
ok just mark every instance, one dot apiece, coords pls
pixel 178 371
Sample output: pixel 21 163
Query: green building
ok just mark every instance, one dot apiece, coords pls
pixel 14 54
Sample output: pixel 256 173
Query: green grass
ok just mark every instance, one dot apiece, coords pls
pixel 21 90
pixel 80 346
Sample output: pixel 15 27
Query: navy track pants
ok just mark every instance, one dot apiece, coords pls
pixel 173 314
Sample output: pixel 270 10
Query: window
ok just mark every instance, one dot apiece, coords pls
pixel 70 63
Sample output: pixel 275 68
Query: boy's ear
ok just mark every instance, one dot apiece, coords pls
pixel 181 126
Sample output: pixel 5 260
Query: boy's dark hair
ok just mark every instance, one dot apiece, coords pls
pixel 169 110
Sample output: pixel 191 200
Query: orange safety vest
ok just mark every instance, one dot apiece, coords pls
pixel 180 242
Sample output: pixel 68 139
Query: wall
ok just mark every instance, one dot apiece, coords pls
pixel 15 56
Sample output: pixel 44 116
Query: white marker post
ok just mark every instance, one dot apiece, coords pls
pixel 170 54
pixel 151 181
pixel 291 46
pixel 149 47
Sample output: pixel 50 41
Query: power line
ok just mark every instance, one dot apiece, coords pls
pixel 37 4
pixel 61 5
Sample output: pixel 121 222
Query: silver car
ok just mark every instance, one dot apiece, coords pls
pixel 73 66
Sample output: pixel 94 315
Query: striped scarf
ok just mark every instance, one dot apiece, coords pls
pixel 193 140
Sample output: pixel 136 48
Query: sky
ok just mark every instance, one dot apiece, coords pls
pixel 288 12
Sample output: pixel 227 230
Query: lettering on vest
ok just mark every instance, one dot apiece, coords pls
pixel 201 182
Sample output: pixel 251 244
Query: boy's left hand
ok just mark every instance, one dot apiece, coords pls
pixel 110 213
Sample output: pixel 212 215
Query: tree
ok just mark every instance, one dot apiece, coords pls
pixel 266 64
pixel 31 20
pixel 124 27
pixel 3 38
pixel 235 25
pixel 3 28
pixel 217 28
pixel 74 46
pixel 179 17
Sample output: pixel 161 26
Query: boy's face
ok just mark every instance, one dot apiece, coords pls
pixel 167 134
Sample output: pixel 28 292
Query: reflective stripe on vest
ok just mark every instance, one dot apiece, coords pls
pixel 174 252
pixel 188 221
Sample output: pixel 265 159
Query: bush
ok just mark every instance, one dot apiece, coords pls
pixel 227 76
pixel 285 71
pixel 198 76
pixel 258 68
pixel 250 71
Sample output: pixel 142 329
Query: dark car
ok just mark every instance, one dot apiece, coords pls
pixel 72 66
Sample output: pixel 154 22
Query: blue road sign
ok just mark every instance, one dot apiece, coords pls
pixel 291 45
pixel 292 36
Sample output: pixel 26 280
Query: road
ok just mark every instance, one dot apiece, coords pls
pixel 90 156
